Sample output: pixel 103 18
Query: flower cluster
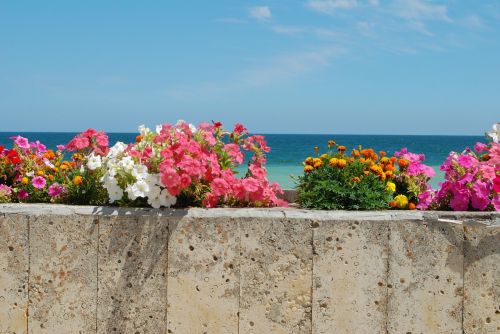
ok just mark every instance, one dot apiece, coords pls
pixel 176 164
pixel 29 172
pixel 190 165
pixel 362 179
pixel 472 181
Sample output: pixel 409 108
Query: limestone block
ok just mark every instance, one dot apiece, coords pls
pixel 203 276
pixel 13 273
pixel 425 285
pixel 482 279
pixel 276 276
pixel 350 277
pixel 132 278
pixel 63 274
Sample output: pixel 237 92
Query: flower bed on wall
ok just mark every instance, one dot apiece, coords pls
pixel 182 165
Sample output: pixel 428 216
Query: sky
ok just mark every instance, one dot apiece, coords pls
pixel 277 66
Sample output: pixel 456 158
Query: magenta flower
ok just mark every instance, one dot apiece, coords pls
pixel 480 147
pixel 38 182
pixel 55 190
pixel 22 194
pixel 61 147
pixel 496 184
pixel 5 190
pixel 479 195
pixel 21 141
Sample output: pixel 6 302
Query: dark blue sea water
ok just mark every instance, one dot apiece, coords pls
pixel 289 150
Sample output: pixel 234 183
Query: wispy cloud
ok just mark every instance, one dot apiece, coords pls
pixel 298 30
pixel 276 70
pixel 260 13
pixel 330 6
pixel 417 12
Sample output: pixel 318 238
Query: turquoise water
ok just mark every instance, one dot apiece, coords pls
pixel 289 150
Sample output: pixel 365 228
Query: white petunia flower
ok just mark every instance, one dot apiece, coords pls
pixel 140 171
pixel 158 128
pixel 127 163
pixel 115 193
pixel 495 133
pixel 94 162
pixel 116 150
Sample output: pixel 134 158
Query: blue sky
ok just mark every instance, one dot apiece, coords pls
pixel 287 66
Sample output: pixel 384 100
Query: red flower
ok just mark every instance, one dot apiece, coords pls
pixel 217 125
pixel 1 148
pixel 13 157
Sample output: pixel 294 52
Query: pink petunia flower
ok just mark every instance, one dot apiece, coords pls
pixel 21 141
pixel 38 182
pixel 55 190
pixel 480 147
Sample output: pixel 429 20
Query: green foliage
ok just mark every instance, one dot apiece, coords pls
pixel 333 188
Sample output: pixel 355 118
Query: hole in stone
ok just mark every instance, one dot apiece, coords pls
pixel 329 239
pixel 437 277
pixel 389 286
pixel 129 254
pixel 488 320
pixel 402 280
pixel 251 323
pixel 11 248
pixel 215 258
pixel 191 248
pixel 376 302
pixel 380 284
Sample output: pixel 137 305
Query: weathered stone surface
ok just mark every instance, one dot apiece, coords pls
pixel 63 274
pixel 425 284
pixel 276 276
pixel 350 274
pixel 203 276
pixel 13 274
pixel 132 276
pixel 482 279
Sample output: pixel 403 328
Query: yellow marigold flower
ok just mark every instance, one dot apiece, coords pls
pixel 391 186
pixel 308 168
pixel 385 160
pixel 77 180
pixel 55 169
pixel 51 177
pixel 366 173
pixel 342 163
pixel 309 161
pixel 376 169
pixel 382 176
pixel 40 173
pixel 64 167
pixel 324 156
pixel 356 179
pixel 362 160
pixel 318 164
pixel 401 201
pixel 25 180
pixel 333 162
pixel 389 174
pixel 57 164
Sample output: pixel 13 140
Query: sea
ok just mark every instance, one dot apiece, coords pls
pixel 284 162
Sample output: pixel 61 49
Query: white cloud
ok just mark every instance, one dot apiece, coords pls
pixel 297 30
pixel 416 12
pixel 329 6
pixel 261 13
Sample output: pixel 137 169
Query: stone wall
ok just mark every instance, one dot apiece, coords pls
pixel 70 269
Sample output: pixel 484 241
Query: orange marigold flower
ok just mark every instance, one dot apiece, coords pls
pixel 333 162
pixel 64 167
pixel 367 152
pixel 412 206
pixel 341 163
pixel 355 153
pixel 486 157
pixel 403 163
pixel 389 167
pixel 77 180
pixel 356 179
pixel 331 143
pixel 138 139
pixel 385 160
pixel 383 153
pixel 51 177
pixel 341 148
pixel 25 180
pixel 389 174
pixel 318 164
pixel 393 204
pixel 49 154
pixel 309 161
pixel 40 173
pixel 350 160
pixel 362 160
pixel 308 168
pixel 394 159
pixel 57 164
pixel 366 173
